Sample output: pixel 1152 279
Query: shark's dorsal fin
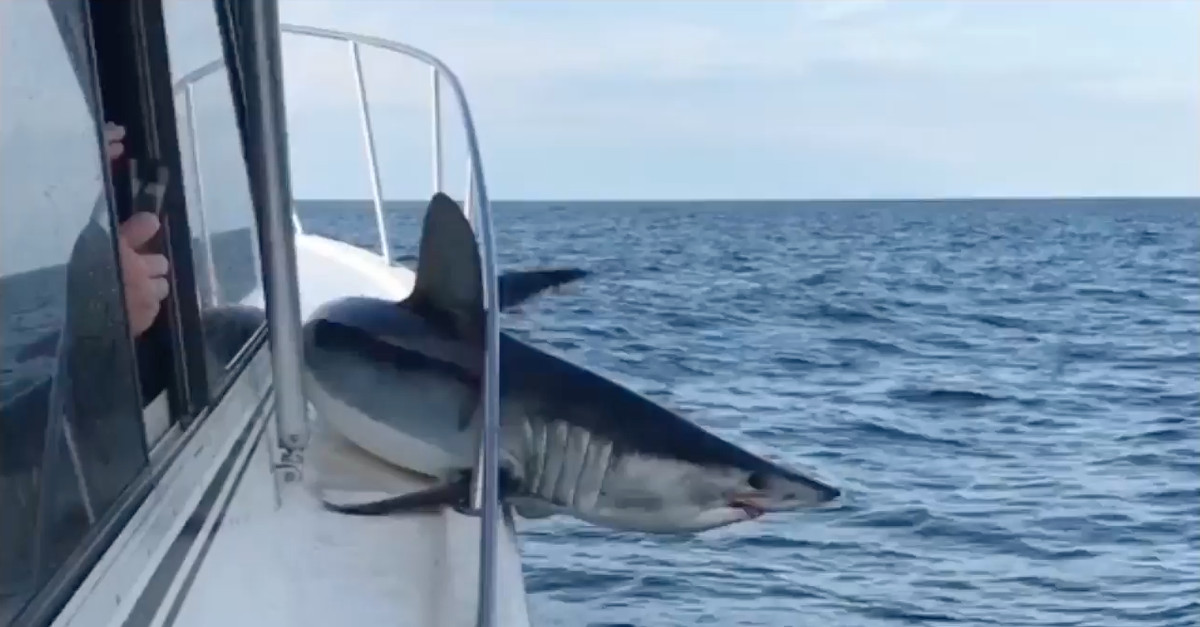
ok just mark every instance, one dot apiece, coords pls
pixel 449 287
pixel 449 284
pixel 518 286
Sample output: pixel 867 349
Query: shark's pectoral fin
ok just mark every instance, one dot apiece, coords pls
pixel 518 286
pixel 453 494
pixel 533 509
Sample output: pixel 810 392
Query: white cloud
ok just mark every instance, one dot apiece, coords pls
pixel 832 12
pixel 520 70
pixel 952 85
pixel 507 55
pixel 1143 89
pixel 494 50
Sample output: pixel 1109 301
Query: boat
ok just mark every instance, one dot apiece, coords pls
pixel 176 478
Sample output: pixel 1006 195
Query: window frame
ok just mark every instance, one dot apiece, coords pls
pixel 132 82
pixel 47 600
pixel 127 65
pixel 232 54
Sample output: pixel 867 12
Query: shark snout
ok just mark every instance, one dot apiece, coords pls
pixel 780 489
pixel 811 489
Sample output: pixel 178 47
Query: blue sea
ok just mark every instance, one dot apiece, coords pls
pixel 1007 391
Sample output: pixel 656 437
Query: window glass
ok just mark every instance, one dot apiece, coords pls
pixel 217 188
pixel 71 435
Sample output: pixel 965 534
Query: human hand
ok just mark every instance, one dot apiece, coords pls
pixel 144 274
pixel 114 140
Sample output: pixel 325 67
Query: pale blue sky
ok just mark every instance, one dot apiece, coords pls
pixel 674 99
pixel 669 99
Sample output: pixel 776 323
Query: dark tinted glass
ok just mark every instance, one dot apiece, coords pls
pixel 71 435
pixel 217 188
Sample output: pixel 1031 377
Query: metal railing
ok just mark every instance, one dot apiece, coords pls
pixel 484 489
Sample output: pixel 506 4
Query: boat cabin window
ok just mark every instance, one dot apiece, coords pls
pixel 86 387
pixel 71 431
pixel 218 197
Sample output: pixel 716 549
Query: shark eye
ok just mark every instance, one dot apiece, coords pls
pixel 757 481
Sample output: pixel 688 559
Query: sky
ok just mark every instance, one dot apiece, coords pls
pixel 622 99
pixel 631 99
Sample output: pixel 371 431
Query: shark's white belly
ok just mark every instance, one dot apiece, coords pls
pixel 392 445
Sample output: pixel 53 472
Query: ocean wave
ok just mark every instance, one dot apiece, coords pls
pixel 1007 392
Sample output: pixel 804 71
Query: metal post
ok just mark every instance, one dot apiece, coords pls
pixel 468 198
pixel 490 494
pixel 485 494
pixel 485 500
pixel 437 130
pixel 194 139
pixel 279 263
pixel 369 141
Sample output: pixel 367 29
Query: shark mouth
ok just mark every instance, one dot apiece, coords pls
pixel 746 505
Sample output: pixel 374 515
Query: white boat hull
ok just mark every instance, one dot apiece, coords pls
pixel 221 541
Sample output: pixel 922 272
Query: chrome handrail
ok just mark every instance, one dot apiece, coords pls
pixel 484 500
pixel 189 105
pixel 364 113
pixel 485 488
pixel 280 267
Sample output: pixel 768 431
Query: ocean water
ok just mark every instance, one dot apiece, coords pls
pixel 1008 392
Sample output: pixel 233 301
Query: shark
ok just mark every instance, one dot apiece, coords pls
pixel 403 381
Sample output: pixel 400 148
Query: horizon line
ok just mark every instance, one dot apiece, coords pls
pixel 827 199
